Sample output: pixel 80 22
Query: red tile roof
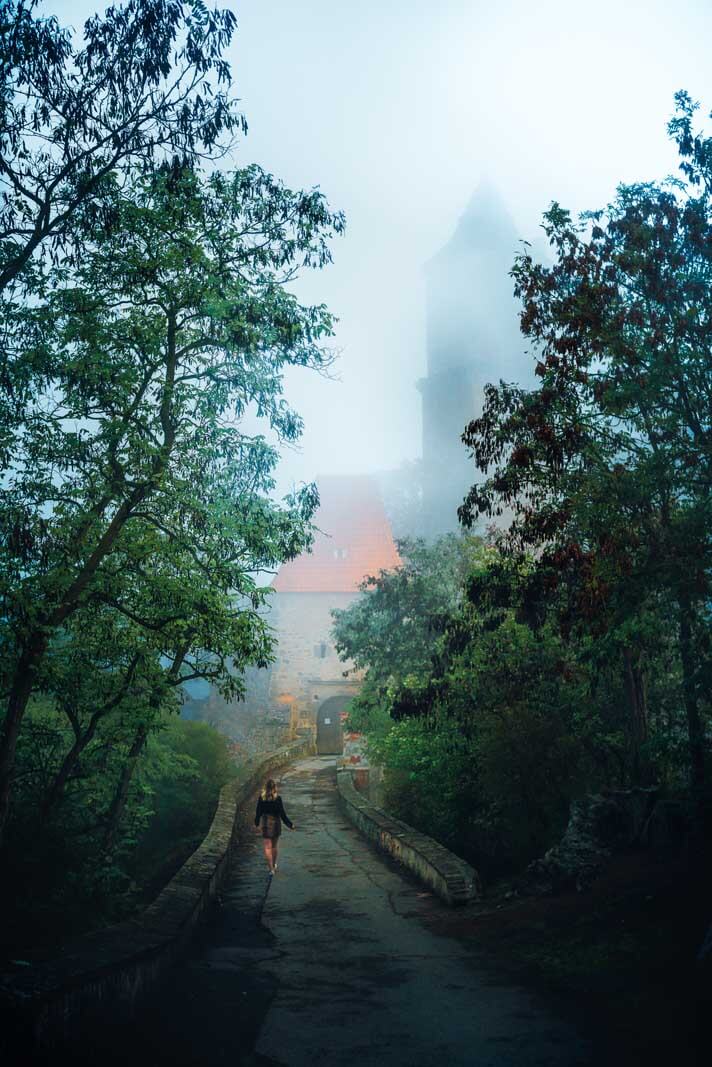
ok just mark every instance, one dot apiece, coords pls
pixel 354 540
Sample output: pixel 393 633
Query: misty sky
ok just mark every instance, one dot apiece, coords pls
pixel 396 110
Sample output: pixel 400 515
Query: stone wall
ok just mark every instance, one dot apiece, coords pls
pixel 308 669
pixel 42 999
pixel 281 701
pixel 449 876
pixel 252 725
pixel 599 825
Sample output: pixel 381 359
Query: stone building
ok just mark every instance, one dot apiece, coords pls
pixel 354 540
pixel 473 338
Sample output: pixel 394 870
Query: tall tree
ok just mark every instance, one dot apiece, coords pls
pixel 607 465
pixel 133 486
pixel 391 632
pixel 149 83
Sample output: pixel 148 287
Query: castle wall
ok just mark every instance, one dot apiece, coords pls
pixel 308 669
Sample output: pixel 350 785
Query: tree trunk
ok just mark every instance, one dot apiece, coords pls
pixel 695 733
pixel 122 789
pixel 30 660
pixel 637 717
pixel 20 693
pixel 69 762
pixel 33 655
pixel 82 739
pixel 20 261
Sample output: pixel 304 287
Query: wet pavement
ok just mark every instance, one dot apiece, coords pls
pixel 351 963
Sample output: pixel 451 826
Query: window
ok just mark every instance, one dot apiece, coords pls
pixel 341 553
pixel 321 650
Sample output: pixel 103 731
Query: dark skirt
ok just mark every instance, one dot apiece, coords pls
pixel 271 826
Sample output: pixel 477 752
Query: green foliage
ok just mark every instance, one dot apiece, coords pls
pixel 502 747
pixel 149 82
pixel 471 713
pixel 427 777
pixel 607 465
pixel 137 511
pixel 392 629
pixel 185 767
pixel 58 878
pixel 503 717
pixel 148 319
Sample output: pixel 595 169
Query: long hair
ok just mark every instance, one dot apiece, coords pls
pixel 270 790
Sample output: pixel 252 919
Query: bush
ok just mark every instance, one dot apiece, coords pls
pixel 58 879
pixel 187 765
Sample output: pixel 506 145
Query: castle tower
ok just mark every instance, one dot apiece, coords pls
pixel 472 338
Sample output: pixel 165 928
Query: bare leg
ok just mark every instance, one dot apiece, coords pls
pixel 267 845
pixel 275 843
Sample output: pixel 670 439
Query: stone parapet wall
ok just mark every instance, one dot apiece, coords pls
pixel 104 971
pixel 446 874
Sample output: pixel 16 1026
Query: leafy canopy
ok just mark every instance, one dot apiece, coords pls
pixel 133 487
pixel 149 84
pixel 607 465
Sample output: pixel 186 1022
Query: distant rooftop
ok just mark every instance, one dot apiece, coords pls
pixel 354 540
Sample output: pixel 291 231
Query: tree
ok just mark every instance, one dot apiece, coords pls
pixel 391 630
pixel 473 714
pixel 150 83
pixel 607 465
pixel 135 497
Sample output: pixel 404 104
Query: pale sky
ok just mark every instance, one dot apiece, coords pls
pixel 396 110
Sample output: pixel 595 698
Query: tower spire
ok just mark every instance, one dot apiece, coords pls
pixel 472 338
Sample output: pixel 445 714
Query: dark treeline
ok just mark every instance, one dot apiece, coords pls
pixel 144 313
pixel 571 649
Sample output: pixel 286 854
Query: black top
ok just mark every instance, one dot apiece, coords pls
pixel 271 807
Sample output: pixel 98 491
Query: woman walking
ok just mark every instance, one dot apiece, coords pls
pixel 270 815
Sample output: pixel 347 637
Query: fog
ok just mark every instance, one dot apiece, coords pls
pixel 397 110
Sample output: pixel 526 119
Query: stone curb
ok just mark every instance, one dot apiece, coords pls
pixel 42 1001
pixel 449 876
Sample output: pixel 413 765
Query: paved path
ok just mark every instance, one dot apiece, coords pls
pixel 350 966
